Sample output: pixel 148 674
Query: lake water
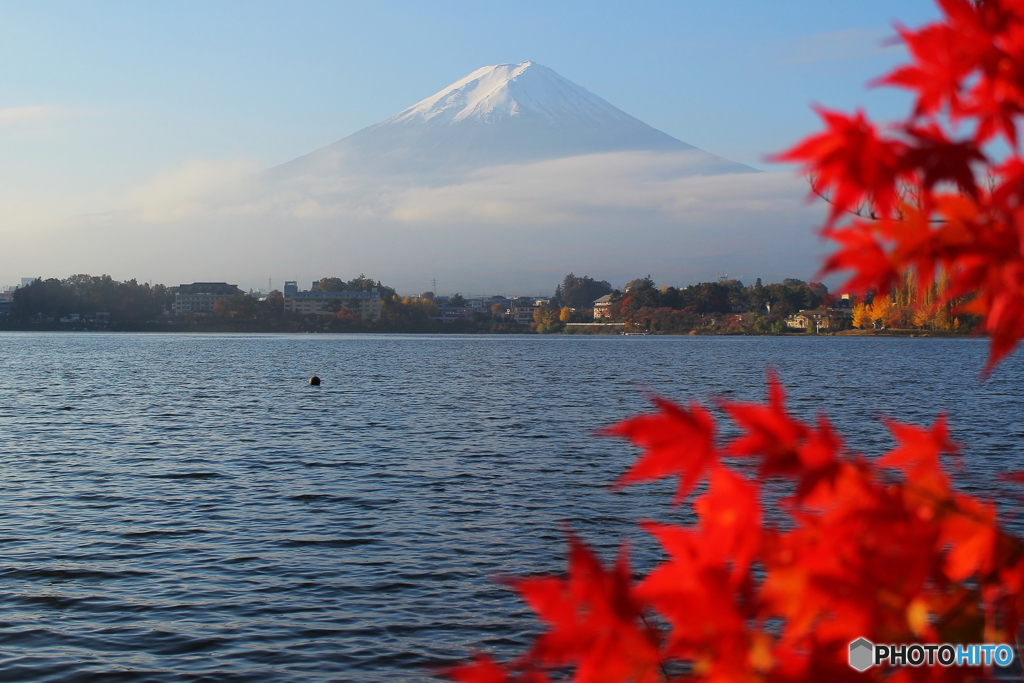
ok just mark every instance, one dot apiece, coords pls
pixel 201 514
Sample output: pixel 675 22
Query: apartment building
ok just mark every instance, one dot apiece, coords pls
pixel 199 298
pixel 365 304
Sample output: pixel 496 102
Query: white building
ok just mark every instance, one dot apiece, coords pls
pixel 365 304
pixel 523 314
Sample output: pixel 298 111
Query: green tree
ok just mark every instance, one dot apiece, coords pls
pixel 580 292
pixel 236 307
pixel 331 284
pixel 273 305
pixel 126 302
pixel 762 324
pixel 641 293
pixel 360 283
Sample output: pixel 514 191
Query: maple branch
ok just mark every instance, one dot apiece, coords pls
pixel 861 210
pixel 907 194
pixel 657 638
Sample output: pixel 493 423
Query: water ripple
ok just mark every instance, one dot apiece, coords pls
pixel 186 508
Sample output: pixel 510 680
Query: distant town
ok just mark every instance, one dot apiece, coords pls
pixel 579 305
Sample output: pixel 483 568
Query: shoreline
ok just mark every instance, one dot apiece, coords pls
pixel 470 329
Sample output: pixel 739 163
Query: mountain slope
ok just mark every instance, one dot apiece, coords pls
pixel 504 114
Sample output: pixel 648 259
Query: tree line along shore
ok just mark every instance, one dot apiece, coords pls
pixel 579 305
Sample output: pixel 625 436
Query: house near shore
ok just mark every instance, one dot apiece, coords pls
pixel 523 313
pixel 601 307
pixel 821 318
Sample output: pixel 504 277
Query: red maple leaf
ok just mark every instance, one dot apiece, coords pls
pixel 594 619
pixel 938 159
pixel 675 440
pixel 768 431
pixel 483 669
pixel 730 520
pixel 918 452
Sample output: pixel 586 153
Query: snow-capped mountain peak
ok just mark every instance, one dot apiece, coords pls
pixel 493 93
pixel 503 114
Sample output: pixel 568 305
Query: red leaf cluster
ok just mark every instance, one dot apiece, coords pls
pixel 938 194
pixel 881 549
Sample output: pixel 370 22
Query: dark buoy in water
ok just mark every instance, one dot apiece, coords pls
pixel 314 381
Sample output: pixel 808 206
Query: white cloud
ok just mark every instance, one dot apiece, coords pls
pixel 580 189
pixel 32 113
pixel 507 228
pixel 11 115
pixel 194 188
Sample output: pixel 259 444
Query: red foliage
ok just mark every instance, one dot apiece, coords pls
pixel 346 315
pixel 883 549
pixel 939 198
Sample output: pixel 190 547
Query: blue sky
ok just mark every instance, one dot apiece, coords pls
pixel 98 96
pixel 277 79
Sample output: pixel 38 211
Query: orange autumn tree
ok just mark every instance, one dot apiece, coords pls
pixel 881 548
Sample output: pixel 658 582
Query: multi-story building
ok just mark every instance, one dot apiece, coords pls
pixel 199 298
pixel 523 314
pixel 365 304
pixel 601 307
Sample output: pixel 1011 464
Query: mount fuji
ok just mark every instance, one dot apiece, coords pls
pixel 504 181
pixel 497 115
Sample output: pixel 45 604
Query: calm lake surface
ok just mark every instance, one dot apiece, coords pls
pixel 201 514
